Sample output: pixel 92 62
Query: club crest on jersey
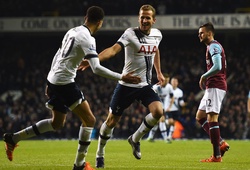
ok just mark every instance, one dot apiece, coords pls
pixel 147 49
pixel 124 36
pixel 92 48
pixel 216 51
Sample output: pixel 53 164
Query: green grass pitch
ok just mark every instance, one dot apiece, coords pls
pixel 181 154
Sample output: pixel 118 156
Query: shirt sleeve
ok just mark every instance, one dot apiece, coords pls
pixel 215 52
pixel 215 49
pixel 94 63
pixel 125 38
pixel 217 65
pixel 88 45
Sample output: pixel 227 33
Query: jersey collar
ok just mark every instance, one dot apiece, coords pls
pixel 87 28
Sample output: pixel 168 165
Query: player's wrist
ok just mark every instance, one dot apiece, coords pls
pixel 121 77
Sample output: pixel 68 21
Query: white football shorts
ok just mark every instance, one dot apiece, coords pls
pixel 212 100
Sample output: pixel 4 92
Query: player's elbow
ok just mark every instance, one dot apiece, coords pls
pixel 216 68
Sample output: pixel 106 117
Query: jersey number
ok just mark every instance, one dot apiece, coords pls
pixel 67 46
pixel 209 102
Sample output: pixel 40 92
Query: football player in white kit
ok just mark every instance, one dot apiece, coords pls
pixel 174 113
pixel 62 91
pixel 165 92
pixel 141 54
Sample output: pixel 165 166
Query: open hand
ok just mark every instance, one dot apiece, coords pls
pixel 202 83
pixel 161 79
pixel 83 65
pixel 128 78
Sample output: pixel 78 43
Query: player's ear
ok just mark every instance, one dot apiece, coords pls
pixel 99 23
pixel 154 20
pixel 210 33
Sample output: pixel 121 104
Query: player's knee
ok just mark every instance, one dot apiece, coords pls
pixel 162 119
pixel 156 109
pixel 158 113
pixel 112 120
pixel 89 121
pixel 171 121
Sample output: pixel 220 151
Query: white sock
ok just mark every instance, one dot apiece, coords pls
pixel 84 142
pixel 171 131
pixel 144 128
pixel 31 131
pixel 104 136
pixel 163 130
pixel 153 131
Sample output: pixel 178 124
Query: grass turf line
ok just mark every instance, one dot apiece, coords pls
pixel 182 154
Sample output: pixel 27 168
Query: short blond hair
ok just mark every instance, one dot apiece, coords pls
pixel 148 7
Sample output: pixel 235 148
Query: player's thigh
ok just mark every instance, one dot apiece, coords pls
pixel 200 114
pixel 58 119
pixel 156 109
pixel 84 112
pixel 212 117
pixel 151 100
pixel 63 98
pixel 122 98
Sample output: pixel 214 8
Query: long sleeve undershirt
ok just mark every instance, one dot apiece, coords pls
pixel 103 71
pixel 215 51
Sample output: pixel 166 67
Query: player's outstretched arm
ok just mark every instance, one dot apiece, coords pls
pixel 109 52
pixel 104 55
pixel 105 72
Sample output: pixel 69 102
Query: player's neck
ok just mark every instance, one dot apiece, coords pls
pixel 91 27
pixel 210 41
pixel 145 32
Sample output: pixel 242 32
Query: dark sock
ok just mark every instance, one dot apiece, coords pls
pixel 215 138
pixel 204 124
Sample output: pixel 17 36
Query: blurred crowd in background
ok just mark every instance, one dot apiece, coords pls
pixel 25 61
pixel 25 64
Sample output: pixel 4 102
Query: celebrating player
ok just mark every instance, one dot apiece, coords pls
pixel 141 54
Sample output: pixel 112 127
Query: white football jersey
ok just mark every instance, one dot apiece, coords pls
pixel 76 44
pixel 178 99
pixel 164 93
pixel 140 50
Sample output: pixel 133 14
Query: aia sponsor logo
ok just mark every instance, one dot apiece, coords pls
pixel 147 49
